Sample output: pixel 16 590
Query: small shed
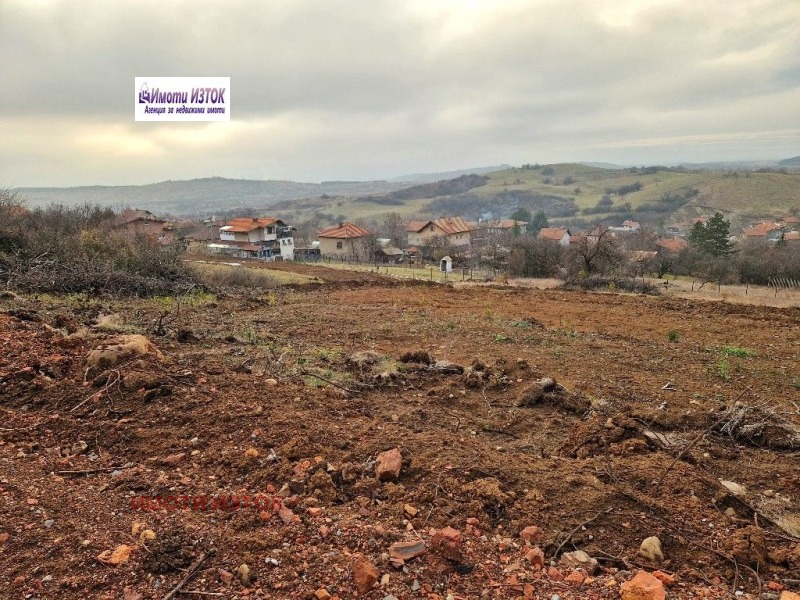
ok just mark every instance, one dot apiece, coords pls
pixel 446 264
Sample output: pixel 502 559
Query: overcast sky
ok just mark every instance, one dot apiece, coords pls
pixel 362 89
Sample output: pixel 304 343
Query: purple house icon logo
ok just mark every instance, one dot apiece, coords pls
pixel 144 94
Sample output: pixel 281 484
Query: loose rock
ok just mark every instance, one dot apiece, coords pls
pixel 388 465
pixel 365 575
pixel 579 560
pixel 651 550
pixel 642 587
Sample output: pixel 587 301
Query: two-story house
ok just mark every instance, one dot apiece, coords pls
pixel 267 238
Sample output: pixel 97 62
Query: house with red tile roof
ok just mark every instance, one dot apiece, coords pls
pixel 555 234
pixel 346 241
pixel 671 245
pixel 268 238
pixel 767 230
pixel 455 231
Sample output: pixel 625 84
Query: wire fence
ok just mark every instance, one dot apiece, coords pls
pixel 421 270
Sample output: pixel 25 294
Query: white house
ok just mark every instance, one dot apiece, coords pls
pixel 267 238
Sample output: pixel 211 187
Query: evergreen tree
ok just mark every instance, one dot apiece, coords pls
pixel 536 224
pixel 712 237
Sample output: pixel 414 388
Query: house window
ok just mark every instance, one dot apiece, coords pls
pixel 339 245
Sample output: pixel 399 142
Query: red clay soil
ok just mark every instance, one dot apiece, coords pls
pixel 291 396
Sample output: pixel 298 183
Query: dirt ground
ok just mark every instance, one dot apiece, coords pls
pixel 599 419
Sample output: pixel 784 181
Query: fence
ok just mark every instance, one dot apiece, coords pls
pixel 783 283
pixel 428 270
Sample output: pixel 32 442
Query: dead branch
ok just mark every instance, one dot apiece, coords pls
pixel 90 471
pixel 192 572
pixel 578 527
pixel 696 440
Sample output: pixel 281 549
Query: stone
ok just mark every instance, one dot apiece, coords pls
pixel 49 523
pixel 287 515
pixel 651 550
pixel 554 574
pixel 121 349
pixel 243 574
pixel 447 543
pixel 786 595
pixel 173 459
pixel 406 550
pixel 271 382
pixel 131 594
pixel 535 556
pixel 4 538
pixel 410 510
pixel 365 575
pixel 388 465
pixel 664 578
pixel 575 578
pixel 225 577
pixel 642 587
pixel 121 554
pixel 251 453
pixel 579 560
pixel 322 594
pixel 531 534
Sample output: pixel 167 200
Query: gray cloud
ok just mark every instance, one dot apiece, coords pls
pixel 359 89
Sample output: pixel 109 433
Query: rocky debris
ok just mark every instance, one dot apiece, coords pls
pixel 447 543
pixel 121 349
pixel 365 575
pixel 531 534
pixel 575 578
pixel 535 556
pixel 643 587
pixel 748 546
pixel 173 460
pixel 121 554
pixel 579 560
pixel 787 595
pixel 388 465
pixel 650 550
pixel 322 594
pixel 406 550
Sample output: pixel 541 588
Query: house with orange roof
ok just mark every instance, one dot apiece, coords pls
pixel 455 231
pixel 766 230
pixel 346 241
pixel 555 234
pixel 267 238
pixel 671 245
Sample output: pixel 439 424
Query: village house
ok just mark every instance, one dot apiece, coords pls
pixel 501 226
pixel 455 231
pixel 766 230
pixel 671 245
pixel 267 238
pixel 143 221
pixel 555 234
pixel 627 227
pixel 346 241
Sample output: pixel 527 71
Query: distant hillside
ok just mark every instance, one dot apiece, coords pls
pixel 202 196
pixel 790 162
pixel 576 194
pixel 432 177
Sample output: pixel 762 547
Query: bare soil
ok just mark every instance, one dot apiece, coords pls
pixel 293 393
